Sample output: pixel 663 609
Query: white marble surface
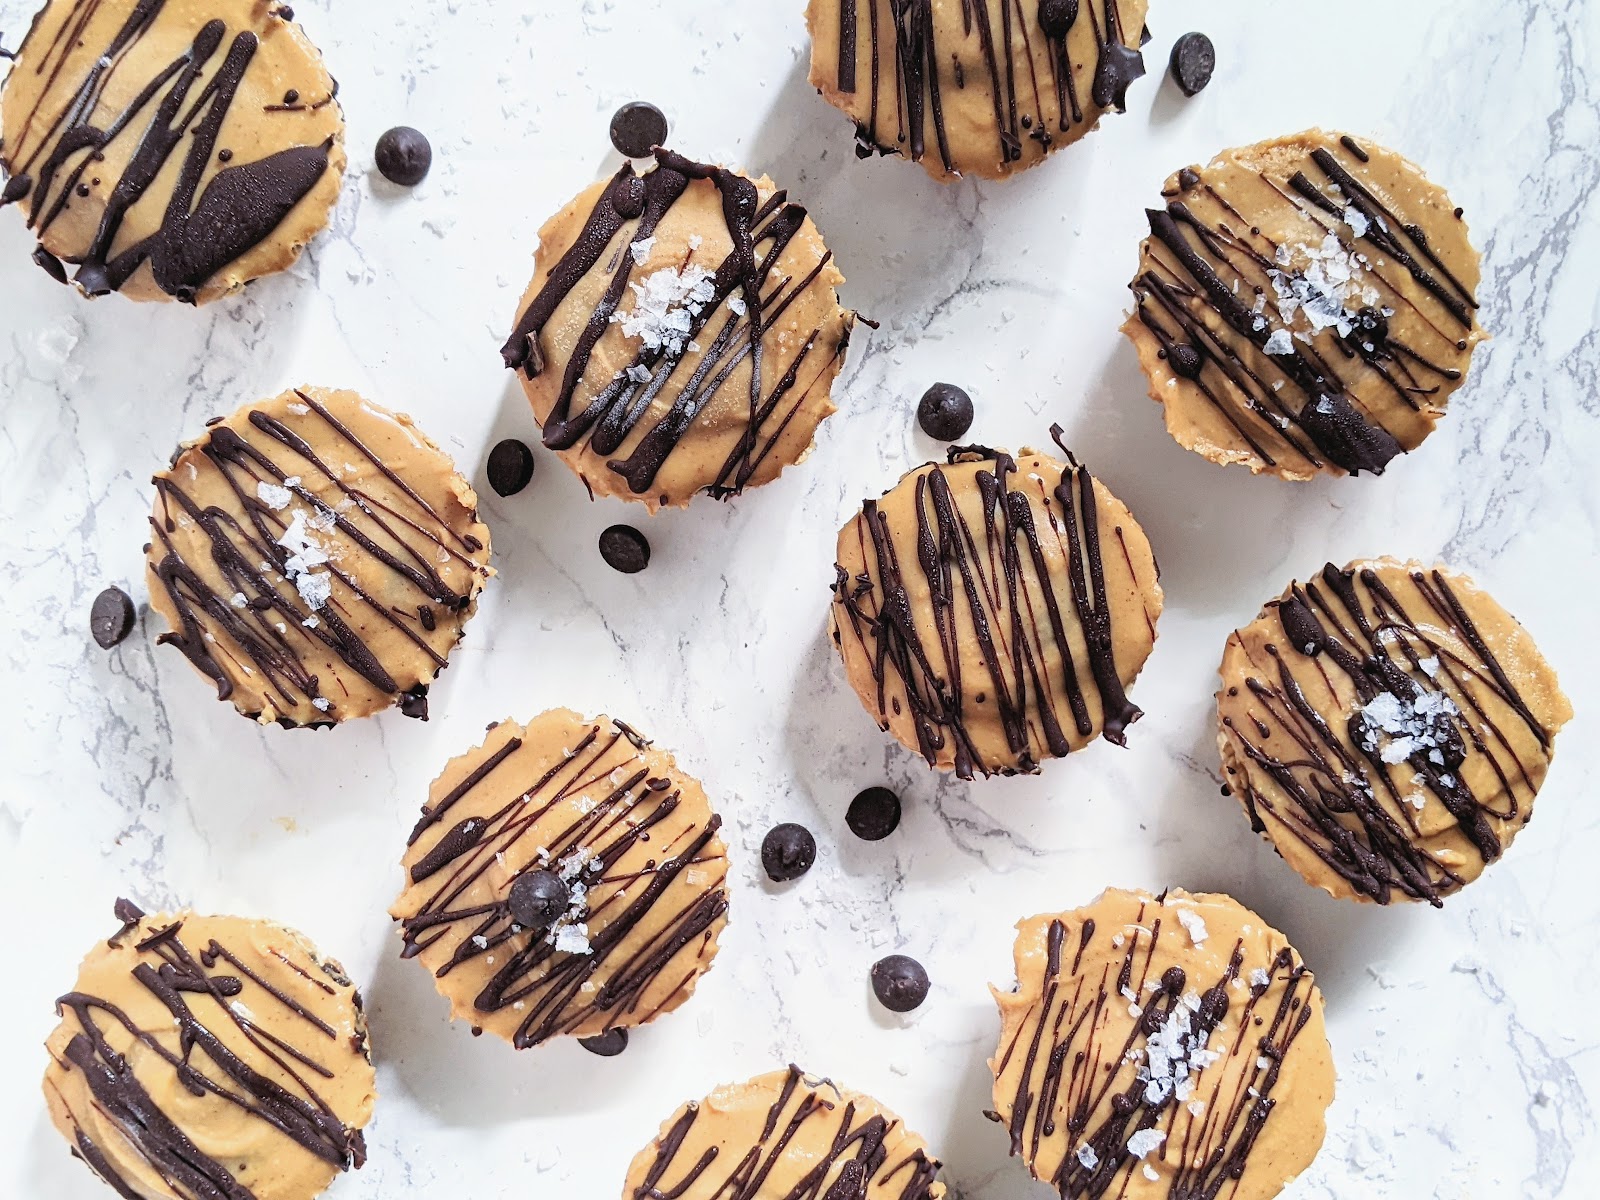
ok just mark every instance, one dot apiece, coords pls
pixel 1469 1060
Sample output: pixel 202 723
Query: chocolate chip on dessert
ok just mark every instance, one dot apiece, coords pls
pixel 1184 360
pixel 510 467
pixel 403 156
pixel 899 982
pixel 608 1044
pixel 625 549
pixel 111 617
pixel 637 129
pixel 537 899
pixel 787 852
pixel 1194 58
pixel 874 814
pixel 945 412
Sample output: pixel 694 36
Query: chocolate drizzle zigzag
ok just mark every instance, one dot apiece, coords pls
pixel 259 624
pixel 179 110
pixel 747 304
pixel 589 810
pixel 997 579
pixel 1433 703
pixel 1085 1083
pixel 1288 393
pixel 862 1153
pixel 200 987
pixel 907 53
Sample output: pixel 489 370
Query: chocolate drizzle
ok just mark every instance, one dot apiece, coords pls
pixel 199 988
pixel 911 41
pixel 735 325
pixel 580 811
pixel 180 110
pixel 1022 580
pixel 1081 1085
pixel 860 1154
pixel 258 624
pixel 1352 792
pixel 1316 400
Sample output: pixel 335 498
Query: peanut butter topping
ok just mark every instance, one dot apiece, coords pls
pixel 1305 305
pixel 169 149
pixel 202 1057
pixel 317 557
pixel 1387 728
pixel 587 814
pixel 638 343
pixel 1161 1048
pixel 784 1136
pixel 984 87
pixel 992 611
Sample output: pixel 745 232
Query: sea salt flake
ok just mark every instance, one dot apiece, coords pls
pixel 481 942
pixel 239 600
pixel 1087 1158
pixel 321 703
pixel 314 589
pixel 737 306
pixel 1430 666
pixel 274 497
pixel 638 373
pixel 1150 1172
pixel 1279 343
pixel 665 305
pixel 1144 1141
pixel 1357 222
pixel 1197 1108
pixel 1194 925
pixel 573 939
pixel 1260 978
pixel 641 249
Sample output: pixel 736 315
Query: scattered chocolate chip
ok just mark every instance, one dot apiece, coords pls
pixel 510 467
pixel 608 1044
pixel 899 982
pixel 625 549
pixel 537 899
pixel 787 852
pixel 1056 17
pixel 1194 58
pixel 874 814
pixel 1184 360
pixel 403 156
pixel 637 129
pixel 111 617
pixel 945 412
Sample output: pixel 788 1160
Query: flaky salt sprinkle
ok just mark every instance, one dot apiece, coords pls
pixel 641 249
pixel 1194 925
pixel 1144 1141
pixel 274 497
pixel 238 600
pixel 665 304
pixel 1260 978
pixel 1279 343
pixel 1150 1172
pixel 1087 1158
pixel 321 703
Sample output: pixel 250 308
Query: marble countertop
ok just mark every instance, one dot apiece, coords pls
pixel 1467 1070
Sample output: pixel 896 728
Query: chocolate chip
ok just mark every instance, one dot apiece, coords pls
pixel 1184 360
pixel 787 852
pixel 625 549
pixel 403 156
pixel 899 982
pixel 1194 58
pixel 510 467
pixel 874 814
pixel 537 899
pixel 1056 17
pixel 608 1044
pixel 111 617
pixel 637 128
pixel 945 412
